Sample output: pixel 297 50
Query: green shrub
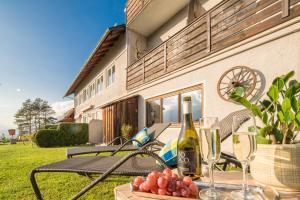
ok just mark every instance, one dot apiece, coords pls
pixel 74 133
pixel 51 126
pixel 47 137
pixel 66 134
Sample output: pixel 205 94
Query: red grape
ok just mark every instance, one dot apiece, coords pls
pixel 162 191
pixel 168 172
pixel 185 192
pixel 154 174
pixel 176 194
pixel 138 181
pixel 151 181
pixel 179 185
pixel 162 182
pixel 187 180
pixel 141 188
pixel 193 189
pixel 172 186
pixel 175 176
pixel 154 189
pixel 146 186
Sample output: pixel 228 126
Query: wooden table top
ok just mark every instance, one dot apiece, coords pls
pixel 123 192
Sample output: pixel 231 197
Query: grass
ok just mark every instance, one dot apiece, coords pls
pixel 16 161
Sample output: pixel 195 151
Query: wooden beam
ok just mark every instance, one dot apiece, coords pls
pixel 208 32
pixel 191 11
pixel 285 8
pixel 143 68
pixel 165 56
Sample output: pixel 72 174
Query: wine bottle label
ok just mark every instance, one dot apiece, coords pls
pixel 187 161
pixel 187 107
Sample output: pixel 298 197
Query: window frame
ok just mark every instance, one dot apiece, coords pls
pixel 107 75
pixel 179 92
pixel 98 91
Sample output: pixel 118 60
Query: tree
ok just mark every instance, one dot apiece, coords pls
pixel 34 115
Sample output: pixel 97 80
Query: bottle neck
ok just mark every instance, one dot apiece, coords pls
pixel 187 114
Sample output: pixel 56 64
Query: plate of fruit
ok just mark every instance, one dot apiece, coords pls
pixel 166 184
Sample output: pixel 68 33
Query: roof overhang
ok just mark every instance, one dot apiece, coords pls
pixel 108 39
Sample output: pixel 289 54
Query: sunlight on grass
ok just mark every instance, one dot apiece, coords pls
pixel 16 161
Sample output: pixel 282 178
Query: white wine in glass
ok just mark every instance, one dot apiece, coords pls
pixel 244 148
pixel 210 145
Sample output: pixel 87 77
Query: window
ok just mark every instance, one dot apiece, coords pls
pixel 111 74
pixel 168 107
pixel 100 84
pixel 84 95
pixel 90 88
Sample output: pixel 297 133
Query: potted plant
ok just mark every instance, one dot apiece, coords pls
pixel 277 160
pixel 126 130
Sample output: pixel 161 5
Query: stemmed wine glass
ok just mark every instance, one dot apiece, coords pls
pixel 244 148
pixel 210 145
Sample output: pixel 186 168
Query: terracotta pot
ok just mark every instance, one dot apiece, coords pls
pixel 277 166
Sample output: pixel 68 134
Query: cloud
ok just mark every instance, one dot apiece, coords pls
pixel 19 90
pixel 61 107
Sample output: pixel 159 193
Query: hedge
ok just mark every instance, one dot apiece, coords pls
pixel 66 134
pixel 51 126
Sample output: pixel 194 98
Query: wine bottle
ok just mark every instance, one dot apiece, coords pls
pixel 188 146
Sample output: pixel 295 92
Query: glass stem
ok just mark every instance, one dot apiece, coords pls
pixel 245 177
pixel 211 175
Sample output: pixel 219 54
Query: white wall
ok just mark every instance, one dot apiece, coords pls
pixel 116 56
pixel 272 53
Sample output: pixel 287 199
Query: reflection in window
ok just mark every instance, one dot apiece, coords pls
pixel 170 109
pixel 153 112
pixel 100 84
pixel 196 103
pixel 111 76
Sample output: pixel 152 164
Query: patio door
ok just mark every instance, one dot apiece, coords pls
pixel 118 113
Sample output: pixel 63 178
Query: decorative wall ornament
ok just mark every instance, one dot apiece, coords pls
pixel 237 78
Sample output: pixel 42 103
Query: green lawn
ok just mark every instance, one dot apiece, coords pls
pixel 16 161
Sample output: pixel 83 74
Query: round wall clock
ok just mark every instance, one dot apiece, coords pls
pixel 241 77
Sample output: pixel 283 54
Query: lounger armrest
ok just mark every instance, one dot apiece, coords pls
pixel 120 138
pixel 123 145
pixel 151 144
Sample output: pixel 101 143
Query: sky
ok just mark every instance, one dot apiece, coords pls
pixel 43 45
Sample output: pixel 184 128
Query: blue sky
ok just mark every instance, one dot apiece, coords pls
pixel 43 44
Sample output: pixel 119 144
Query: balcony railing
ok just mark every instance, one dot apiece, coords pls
pixel 226 24
pixel 134 7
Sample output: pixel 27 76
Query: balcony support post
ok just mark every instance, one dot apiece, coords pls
pixel 208 22
pixel 165 57
pixel 143 69
pixel 285 8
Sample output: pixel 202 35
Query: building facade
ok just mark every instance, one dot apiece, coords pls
pixel 174 48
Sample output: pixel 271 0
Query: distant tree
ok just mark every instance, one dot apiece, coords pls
pixel 34 115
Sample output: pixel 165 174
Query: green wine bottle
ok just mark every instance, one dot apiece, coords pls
pixel 188 146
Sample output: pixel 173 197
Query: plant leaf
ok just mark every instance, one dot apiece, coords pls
pixel 241 100
pixel 256 111
pixel 280 116
pixel 240 91
pixel 288 76
pixel 286 104
pixel 265 118
pixel 278 135
pixel 267 104
pixel 262 140
pixel 297 119
pixel 279 83
pixel 287 117
pixel 294 104
pixel 273 93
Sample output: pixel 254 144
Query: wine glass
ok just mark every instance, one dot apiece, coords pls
pixel 210 145
pixel 244 148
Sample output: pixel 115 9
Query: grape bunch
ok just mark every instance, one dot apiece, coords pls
pixel 166 183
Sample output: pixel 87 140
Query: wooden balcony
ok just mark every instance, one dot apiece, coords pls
pixel 133 7
pixel 228 23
